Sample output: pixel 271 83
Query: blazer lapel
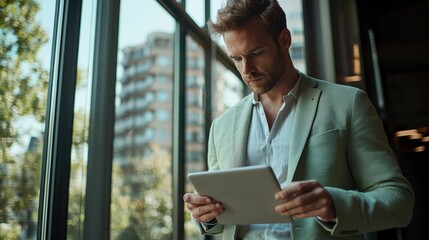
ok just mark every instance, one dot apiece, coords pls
pixel 305 111
pixel 241 124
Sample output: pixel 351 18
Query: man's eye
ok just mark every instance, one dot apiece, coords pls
pixel 236 59
pixel 256 53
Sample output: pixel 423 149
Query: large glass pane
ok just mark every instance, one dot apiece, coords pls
pixel 195 121
pixel 79 152
pixel 141 205
pixel 228 89
pixel 195 9
pixel 295 23
pixel 215 5
pixel 26 30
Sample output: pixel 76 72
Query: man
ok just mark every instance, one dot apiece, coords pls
pixel 324 141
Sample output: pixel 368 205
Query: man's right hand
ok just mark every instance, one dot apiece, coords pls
pixel 202 208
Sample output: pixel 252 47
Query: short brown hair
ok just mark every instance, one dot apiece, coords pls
pixel 237 12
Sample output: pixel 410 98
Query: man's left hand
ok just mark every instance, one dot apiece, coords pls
pixel 306 199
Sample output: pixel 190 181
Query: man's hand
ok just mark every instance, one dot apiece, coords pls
pixel 201 207
pixel 306 199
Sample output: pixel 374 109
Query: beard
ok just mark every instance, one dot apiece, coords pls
pixel 262 85
pixel 264 82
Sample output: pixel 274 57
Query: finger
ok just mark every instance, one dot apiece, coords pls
pixel 193 198
pixel 208 217
pixel 291 208
pixel 308 214
pixel 315 203
pixel 301 203
pixel 199 210
pixel 207 212
pixel 296 188
pixel 322 212
pixel 301 209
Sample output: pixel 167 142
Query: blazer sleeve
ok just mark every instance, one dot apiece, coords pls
pixel 212 160
pixel 383 197
pixel 213 165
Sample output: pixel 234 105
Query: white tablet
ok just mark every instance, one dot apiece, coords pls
pixel 247 194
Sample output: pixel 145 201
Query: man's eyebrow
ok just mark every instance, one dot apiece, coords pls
pixel 257 49
pixel 250 51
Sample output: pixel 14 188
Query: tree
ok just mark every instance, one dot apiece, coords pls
pixel 25 181
pixel 147 205
pixel 23 91
pixel 24 82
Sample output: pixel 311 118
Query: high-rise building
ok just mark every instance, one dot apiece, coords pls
pixel 144 113
pixel 145 109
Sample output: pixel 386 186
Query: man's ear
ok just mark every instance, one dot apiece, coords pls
pixel 285 38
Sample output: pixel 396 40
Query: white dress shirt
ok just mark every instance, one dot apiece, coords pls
pixel 265 147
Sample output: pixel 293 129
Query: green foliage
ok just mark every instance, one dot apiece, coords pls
pixel 76 204
pixel 23 90
pixel 10 231
pixel 24 82
pixel 142 199
pixel 76 208
pixel 20 191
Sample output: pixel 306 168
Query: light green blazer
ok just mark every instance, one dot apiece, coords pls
pixel 338 140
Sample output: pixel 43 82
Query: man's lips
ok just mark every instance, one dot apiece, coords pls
pixel 250 80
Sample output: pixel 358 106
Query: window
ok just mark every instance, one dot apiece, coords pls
pixel 163 96
pixel 196 10
pixel 78 160
pixel 162 79
pixel 294 18
pixel 195 121
pixel 162 115
pixel 26 30
pixel 141 182
pixel 163 61
pixel 227 89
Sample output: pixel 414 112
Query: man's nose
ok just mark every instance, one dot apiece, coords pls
pixel 248 67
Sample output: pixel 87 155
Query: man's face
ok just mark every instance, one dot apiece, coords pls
pixel 259 59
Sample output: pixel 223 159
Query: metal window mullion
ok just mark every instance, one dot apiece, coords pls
pixel 179 128
pixel 208 76
pixel 101 123
pixel 208 90
pixel 59 123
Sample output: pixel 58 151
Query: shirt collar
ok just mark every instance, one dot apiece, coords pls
pixel 294 92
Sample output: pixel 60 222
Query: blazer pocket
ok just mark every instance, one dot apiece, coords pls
pixel 330 133
pixel 325 157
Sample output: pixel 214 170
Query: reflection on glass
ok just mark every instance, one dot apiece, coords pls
pixel 76 208
pixel 141 204
pixel 25 40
